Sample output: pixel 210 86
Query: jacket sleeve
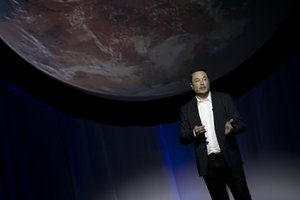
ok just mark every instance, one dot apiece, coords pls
pixel 238 124
pixel 186 131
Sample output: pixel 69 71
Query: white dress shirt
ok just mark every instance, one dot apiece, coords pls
pixel 207 118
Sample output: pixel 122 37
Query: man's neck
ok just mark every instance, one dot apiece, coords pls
pixel 202 96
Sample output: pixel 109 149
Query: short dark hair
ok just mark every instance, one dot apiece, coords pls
pixel 197 70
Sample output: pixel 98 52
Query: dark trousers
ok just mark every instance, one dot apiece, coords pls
pixel 220 175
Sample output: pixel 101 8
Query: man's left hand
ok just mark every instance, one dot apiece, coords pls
pixel 228 127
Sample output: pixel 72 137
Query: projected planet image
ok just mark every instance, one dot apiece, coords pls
pixel 132 50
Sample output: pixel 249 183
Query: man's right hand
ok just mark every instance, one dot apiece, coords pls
pixel 199 130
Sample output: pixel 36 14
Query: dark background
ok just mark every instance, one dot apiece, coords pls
pixel 58 142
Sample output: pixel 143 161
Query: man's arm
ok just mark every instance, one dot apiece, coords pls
pixel 235 124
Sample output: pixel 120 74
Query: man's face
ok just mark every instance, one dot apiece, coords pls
pixel 200 83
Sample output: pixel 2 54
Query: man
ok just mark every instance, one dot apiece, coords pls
pixel 211 122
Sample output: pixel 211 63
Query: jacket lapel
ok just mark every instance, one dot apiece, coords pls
pixel 195 113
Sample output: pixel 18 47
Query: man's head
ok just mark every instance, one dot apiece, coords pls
pixel 200 82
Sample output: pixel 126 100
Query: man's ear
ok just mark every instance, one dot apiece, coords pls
pixel 192 86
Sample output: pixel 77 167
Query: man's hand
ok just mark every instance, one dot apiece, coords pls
pixel 199 130
pixel 228 127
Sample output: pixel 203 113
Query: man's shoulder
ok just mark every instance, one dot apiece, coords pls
pixel 188 103
pixel 219 94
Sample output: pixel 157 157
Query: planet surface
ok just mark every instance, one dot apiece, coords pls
pixel 137 50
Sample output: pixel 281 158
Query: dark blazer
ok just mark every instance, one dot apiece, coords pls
pixel 223 110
